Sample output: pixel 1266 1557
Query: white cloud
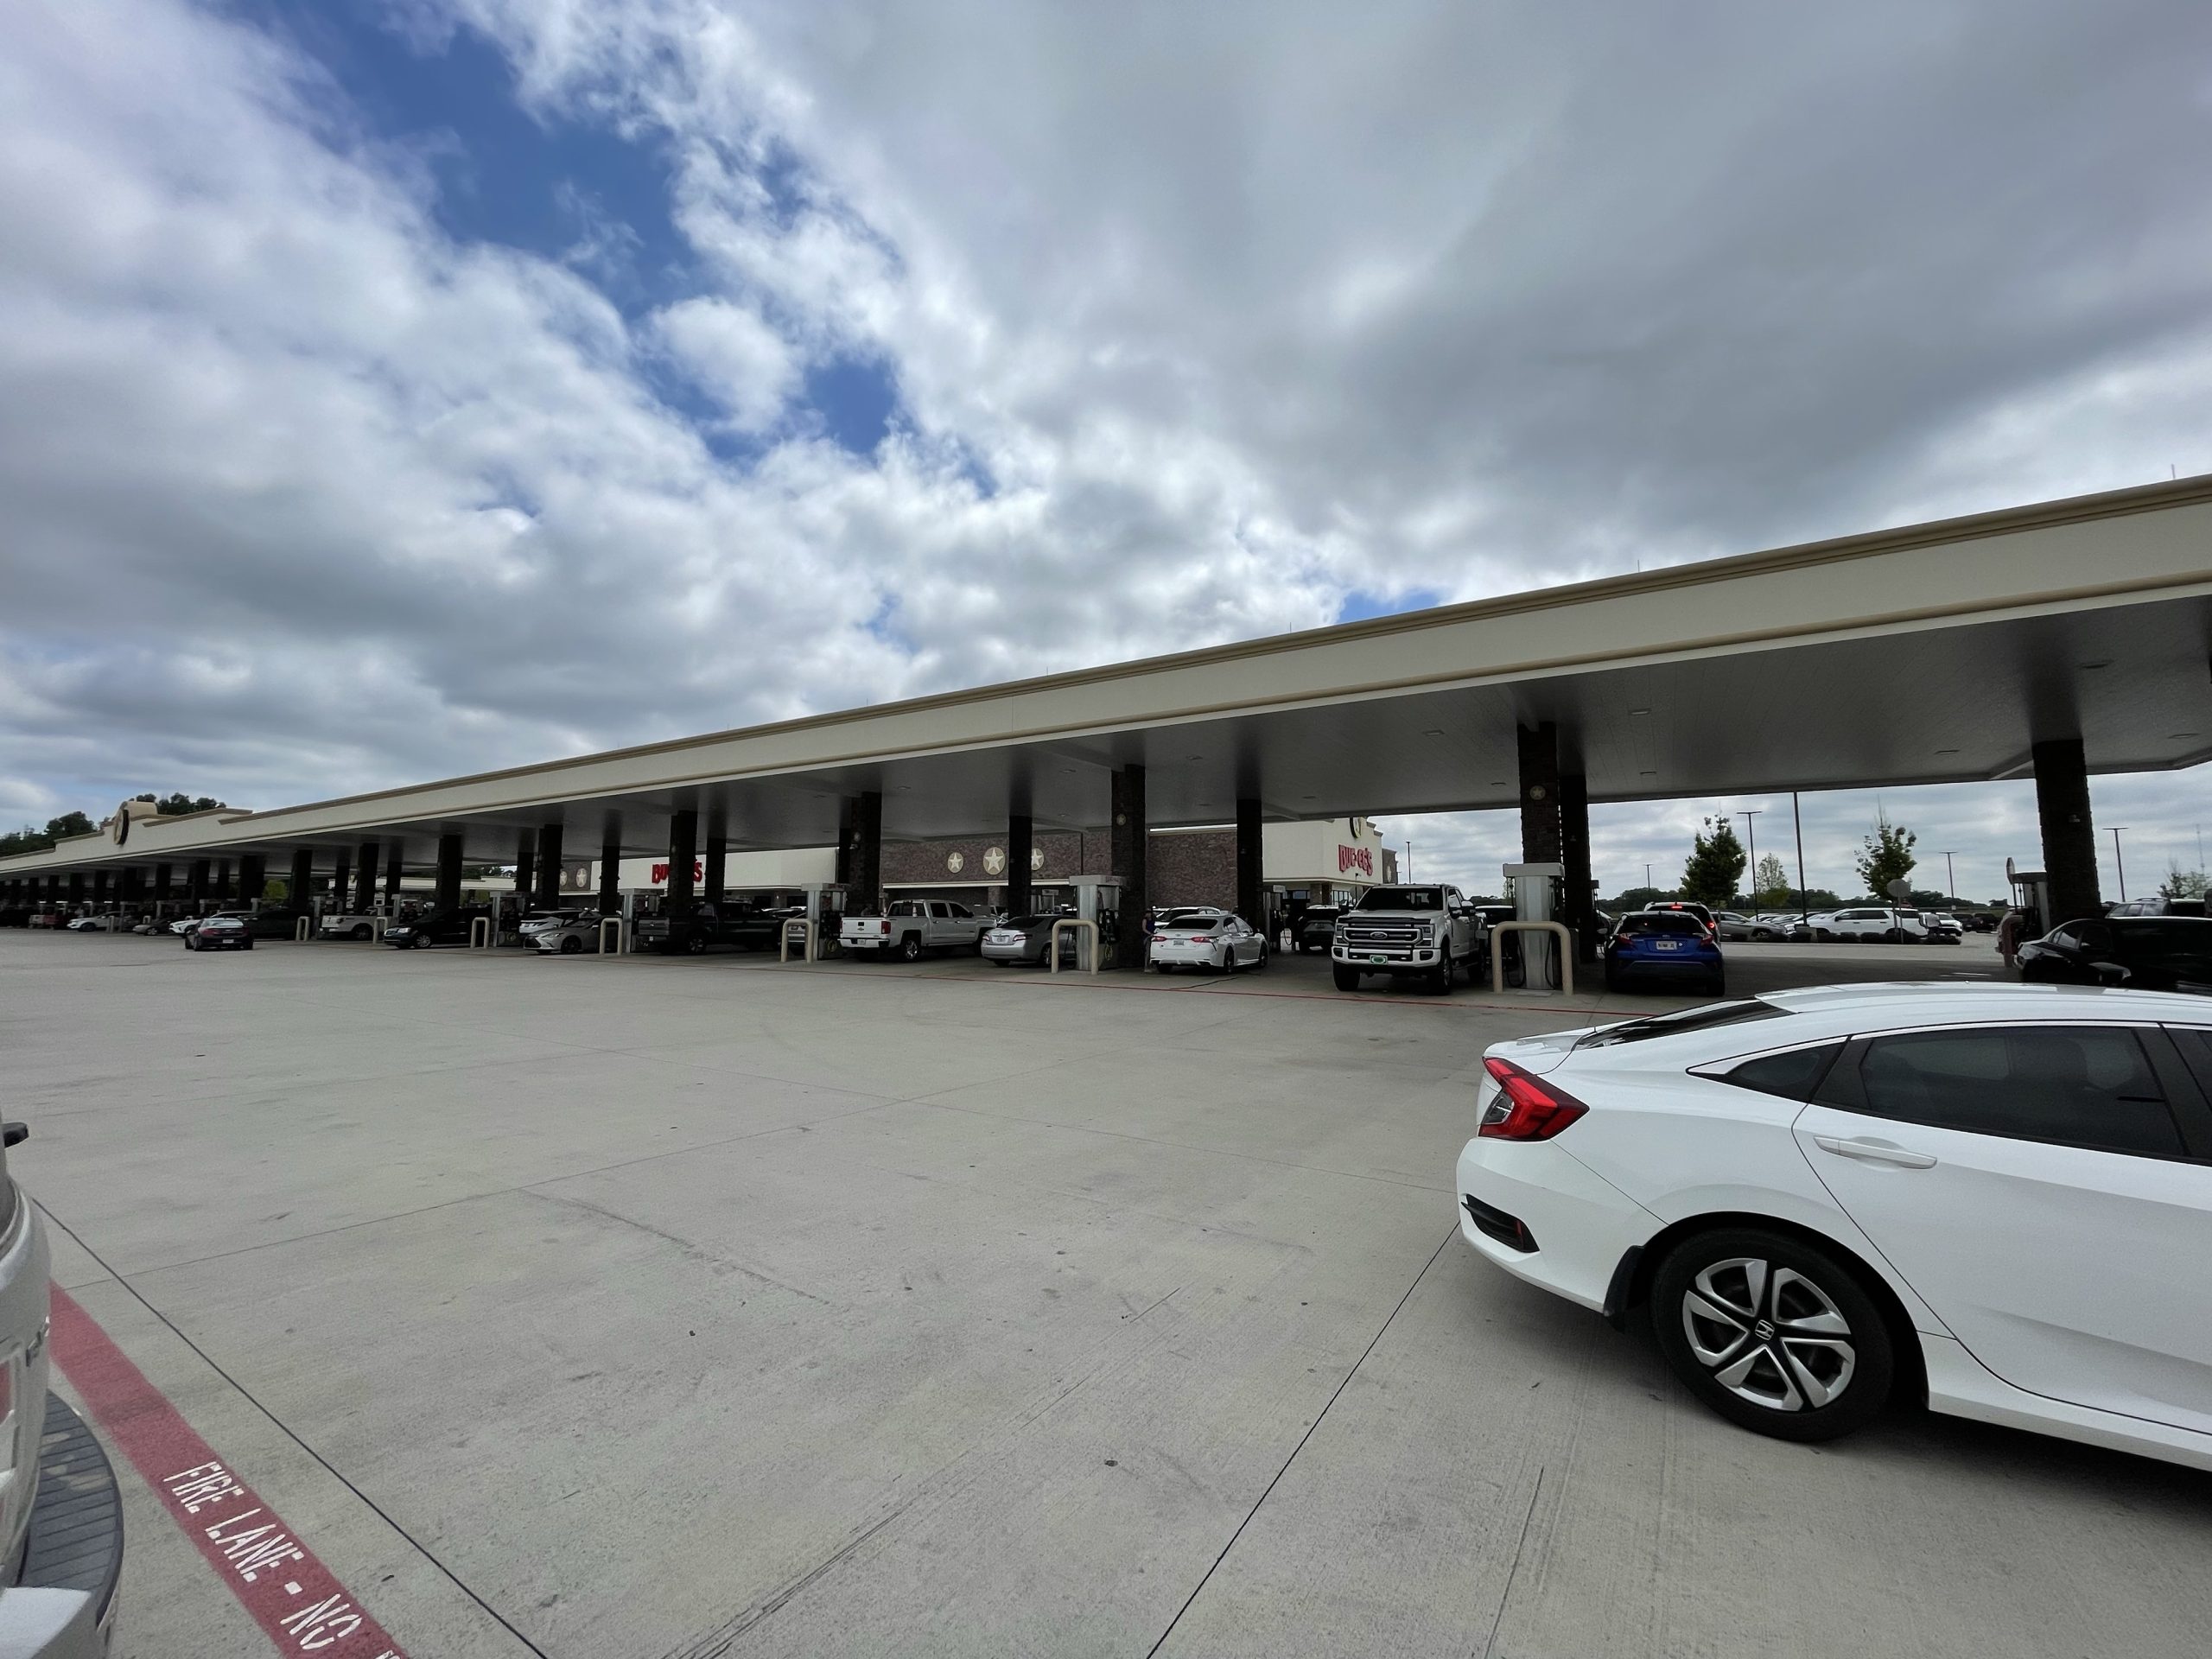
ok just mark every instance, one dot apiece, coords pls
pixel 734 356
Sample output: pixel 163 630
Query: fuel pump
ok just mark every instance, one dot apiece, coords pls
pixel 2030 896
pixel 1098 901
pixel 1535 898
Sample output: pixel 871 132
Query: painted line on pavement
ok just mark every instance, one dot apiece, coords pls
pixel 297 1601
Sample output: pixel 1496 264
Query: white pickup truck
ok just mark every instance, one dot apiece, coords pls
pixel 1425 933
pixel 349 924
pixel 906 927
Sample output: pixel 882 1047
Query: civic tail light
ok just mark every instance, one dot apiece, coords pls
pixel 1526 1108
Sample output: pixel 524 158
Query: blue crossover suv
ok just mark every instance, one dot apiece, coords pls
pixel 1660 946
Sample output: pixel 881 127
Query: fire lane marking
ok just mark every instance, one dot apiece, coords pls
pixel 245 1541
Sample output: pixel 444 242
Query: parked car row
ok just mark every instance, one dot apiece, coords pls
pixel 1991 1200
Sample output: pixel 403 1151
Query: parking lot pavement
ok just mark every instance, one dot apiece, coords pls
pixel 673 1309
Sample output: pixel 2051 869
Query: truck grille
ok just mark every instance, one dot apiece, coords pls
pixel 1385 935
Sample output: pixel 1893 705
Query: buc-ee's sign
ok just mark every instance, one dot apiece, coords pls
pixel 1355 858
pixel 698 872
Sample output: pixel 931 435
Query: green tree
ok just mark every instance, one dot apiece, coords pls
pixel 1716 862
pixel 69 823
pixel 1886 856
pixel 176 805
pixel 2182 884
pixel 1771 886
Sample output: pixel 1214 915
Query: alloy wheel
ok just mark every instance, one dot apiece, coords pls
pixel 1769 1335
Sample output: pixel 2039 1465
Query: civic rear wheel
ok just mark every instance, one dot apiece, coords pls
pixel 1773 1334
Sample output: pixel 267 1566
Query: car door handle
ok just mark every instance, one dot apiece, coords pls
pixel 1874 1152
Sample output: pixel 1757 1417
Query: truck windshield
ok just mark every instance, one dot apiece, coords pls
pixel 1402 898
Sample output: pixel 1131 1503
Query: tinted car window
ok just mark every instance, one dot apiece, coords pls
pixel 1402 898
pixel 2079 1085
pixel 1677 922
pixel 1793 1076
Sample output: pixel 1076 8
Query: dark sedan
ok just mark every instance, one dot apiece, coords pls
pixel 1317 929
pixel 220 933
pixel 2144 953
pixel 439 927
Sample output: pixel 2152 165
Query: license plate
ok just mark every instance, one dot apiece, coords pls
pixel 1667 944
pixel 1377 956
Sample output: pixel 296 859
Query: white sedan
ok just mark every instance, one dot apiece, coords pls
pixel 1205 938
pixel 1999 1194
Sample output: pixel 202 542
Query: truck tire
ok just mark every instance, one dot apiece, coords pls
pixel 909 947
pixel 1347 979
pixel 1442 984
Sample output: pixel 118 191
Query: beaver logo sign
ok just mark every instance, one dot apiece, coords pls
pixel 1355 858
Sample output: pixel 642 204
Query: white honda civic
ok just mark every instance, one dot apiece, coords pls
pixel 1998 1195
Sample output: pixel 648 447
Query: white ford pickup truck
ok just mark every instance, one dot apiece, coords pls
pixel 1424 933
pixel 906 927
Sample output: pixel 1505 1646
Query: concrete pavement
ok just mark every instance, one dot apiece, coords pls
pixel 690 1308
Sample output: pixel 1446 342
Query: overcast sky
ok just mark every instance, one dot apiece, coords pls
pixel 394 391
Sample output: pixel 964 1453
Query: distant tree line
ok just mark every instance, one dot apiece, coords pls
pixel 32 839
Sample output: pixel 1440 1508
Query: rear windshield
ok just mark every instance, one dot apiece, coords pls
pixel 1673 1025
pixel 1026 921
pixel 1191 923
pixel 1402 898
pixel 1661 921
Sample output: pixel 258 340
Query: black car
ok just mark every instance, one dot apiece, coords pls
pixel 220 933
pixel 711 924
pixel 2144 953
pixel 1317 929
pixel 438 927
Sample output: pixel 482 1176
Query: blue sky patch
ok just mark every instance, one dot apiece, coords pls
pixel 1360 603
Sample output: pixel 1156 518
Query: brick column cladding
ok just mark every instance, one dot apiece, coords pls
pixel 1540 838
pixel 2070 834
pixel 449 871
pixel 549 866
pixel 1131 842
pixel 1577 909
pixel 1020 844
pixel 682 853
pixel 1251 872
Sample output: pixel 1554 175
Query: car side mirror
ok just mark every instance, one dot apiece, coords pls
pixel 14 1134
pixel 2110 973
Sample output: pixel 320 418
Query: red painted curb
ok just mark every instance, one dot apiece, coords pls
pixel 296 1601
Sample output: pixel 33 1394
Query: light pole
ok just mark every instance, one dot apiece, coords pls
pixel 1804 909
pixel 1751 835
pixel 2116 864
pixel 1950 877
pixel 1647 875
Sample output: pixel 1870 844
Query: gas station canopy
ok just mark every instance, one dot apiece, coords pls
pixel 1934 653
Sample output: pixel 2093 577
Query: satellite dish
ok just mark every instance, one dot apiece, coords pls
pixel 1900 889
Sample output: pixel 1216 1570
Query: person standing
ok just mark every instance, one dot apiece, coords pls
pixel 2008 939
